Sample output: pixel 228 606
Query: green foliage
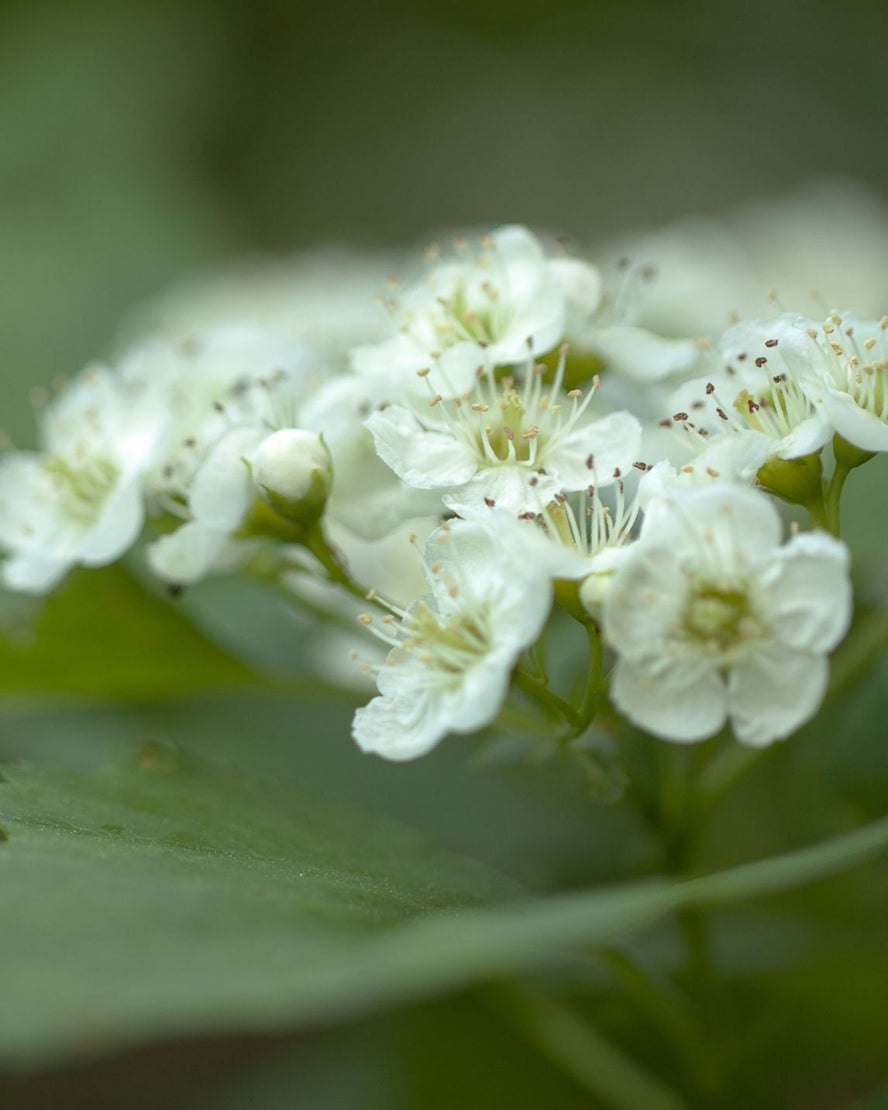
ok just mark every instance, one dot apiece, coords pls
pixel 100 635
pixel 160 895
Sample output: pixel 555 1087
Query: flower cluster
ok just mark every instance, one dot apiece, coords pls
pixel 509 406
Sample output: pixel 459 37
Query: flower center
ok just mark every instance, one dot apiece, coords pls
pixel 477 317
pixel 776 411
pixel 858 368
pixel 83 487
pixel 720 618
pixel 508 438
pixel 514 420
pixel 450 646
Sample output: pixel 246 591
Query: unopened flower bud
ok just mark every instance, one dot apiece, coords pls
pixel 293 471
pixel 593 592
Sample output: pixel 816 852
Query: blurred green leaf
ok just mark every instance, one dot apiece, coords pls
pixel 101 635
pixel 164 896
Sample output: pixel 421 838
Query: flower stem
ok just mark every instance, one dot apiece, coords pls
pixel 594 681
pixel 316 542
pixel 848 457
pixel 599 1067
pixel 539 690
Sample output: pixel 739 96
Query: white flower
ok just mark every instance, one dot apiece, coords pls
pixel 848 360
pixel 80 500
pixel 713 619
pixel 513 443
pixel 759 405
pixel 219 497
pixel 367 497
pixel 610 329
pixel 583 539
pixel 227 376
pixel 453 650
pixel 509 298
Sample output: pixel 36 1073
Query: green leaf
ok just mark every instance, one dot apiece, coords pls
pixel 101 635
pixel 163 896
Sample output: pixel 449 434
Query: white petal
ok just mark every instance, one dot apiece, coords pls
pixel 31 574
pixel 521 256
pixel 609 444
pixel 806 592
pixel 504 487
pixel 641 355
pixel 645 600
pixel 391 728
pixel 424 459
pixel 808 436
pixel 580 282
pixel 732 527
pixel 222 490
pixel 676 700
pixel 862 428
pixel 188 554
pixel 117 529
pixel 774 691
pixel 481 695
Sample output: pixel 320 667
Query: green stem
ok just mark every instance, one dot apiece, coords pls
pixel 847 458
pixel 537 686
pixel 330 559
pixel 667 1009
pixel 833 497
pixel 603 1070
pixel 539 690
pixel 594 681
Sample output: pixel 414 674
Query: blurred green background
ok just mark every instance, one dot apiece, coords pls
pixel 141 142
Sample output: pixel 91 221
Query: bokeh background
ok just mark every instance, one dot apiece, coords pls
pixel 143 142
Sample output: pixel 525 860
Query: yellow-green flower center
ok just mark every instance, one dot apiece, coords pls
pixel 82 487
pixel 450 646
pixel 719 617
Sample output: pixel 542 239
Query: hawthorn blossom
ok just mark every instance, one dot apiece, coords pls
pixel 80 499
pixel 846 359
pixel 227 376
pixel 508 298
pixel 513 443
pixel 713 619
pixel 757 406
pixel 453 650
